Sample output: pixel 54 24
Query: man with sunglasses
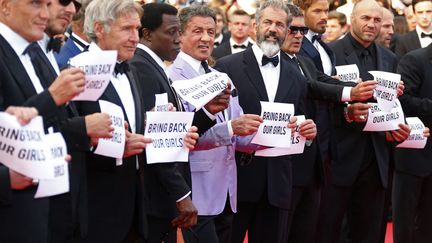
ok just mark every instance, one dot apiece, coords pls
pixel 308 169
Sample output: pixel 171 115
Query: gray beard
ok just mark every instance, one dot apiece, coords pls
pixel 269 48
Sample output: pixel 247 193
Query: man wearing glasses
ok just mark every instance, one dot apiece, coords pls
pixel 308 168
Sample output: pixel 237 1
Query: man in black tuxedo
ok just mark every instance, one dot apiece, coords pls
pixel 26 82
pixel 422 35
pixel 168 185
pixel 308 168
pixel 238 25
pixel 359 170
pixel 261 73
pixel 412 190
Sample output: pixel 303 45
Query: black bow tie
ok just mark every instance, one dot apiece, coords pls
pixel 316 38
pixel 121 68
pixel 274 60
pixel 216 43
pixel 54 44
pixel 424 35
pixel 239 46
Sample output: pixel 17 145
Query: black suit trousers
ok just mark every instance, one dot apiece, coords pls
pixel 412 211
pixel 303 215
pixel 362 203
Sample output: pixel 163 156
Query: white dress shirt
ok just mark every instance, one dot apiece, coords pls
pixel 424 42
pixel 269 73
pixel 325 58
pixel 237 50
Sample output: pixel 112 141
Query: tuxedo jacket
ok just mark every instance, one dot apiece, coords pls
pixel 406 43
pixel 309 50
pixel 18 209
pixel 263 175
pixel 416 71
pixel 319 87
pixel 165 182
pixel 115 193
pixel 352 143
pixel 68 50
pixel 224 49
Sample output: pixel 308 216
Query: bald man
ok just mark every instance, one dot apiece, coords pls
pixel 359 170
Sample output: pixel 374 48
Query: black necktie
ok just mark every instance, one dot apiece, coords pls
pixel 54 44
pixel 295 62
pixel 43 68
pixel 204 64
pixel 424 35
pixel 121 68
pixel 274 60
pixel 235 46
pixel 216 43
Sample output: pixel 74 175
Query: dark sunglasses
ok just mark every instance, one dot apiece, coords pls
pixel 67 2
pixel 296 29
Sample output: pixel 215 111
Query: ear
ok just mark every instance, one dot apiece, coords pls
pixel 229 26
pixel 5 7
pixel 99 29
pixel 147 34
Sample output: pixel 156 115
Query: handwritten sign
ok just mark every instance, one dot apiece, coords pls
pixel 167 129
pixel 297 144
pixel 348 73
pixel 98 66
pixel 274 131
pixel 200 90
pixel 60 183
pixel 386 89
pixel 415 140
pixel 112 147
pixel 379 120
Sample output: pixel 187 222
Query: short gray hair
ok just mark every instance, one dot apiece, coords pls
pixel 196 10
pixel 106 12
pixel 276 4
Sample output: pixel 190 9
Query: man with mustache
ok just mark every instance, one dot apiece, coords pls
pixel 359 171
pixel 263 73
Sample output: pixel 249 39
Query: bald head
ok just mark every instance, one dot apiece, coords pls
pixel 387 29
pixel 366 21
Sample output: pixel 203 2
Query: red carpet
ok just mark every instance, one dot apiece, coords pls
pixel 388 239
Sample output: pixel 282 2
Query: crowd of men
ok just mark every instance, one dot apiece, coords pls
pixel 338 190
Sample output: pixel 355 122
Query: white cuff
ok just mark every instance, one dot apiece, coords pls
pixel 346 94
pixel 230 129
pixel 185 196
pixel 210 115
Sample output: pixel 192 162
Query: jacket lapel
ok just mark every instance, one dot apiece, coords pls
pixel 287 74
pixel 312 52
pixel 137 100
pixel 16 68
pixel 252 70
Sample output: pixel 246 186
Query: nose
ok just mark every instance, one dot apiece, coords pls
pixel 205 36
pixel 44 13
pixel 71 8
pixel 134 36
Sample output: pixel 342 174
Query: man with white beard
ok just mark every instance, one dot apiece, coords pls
pixel 263 73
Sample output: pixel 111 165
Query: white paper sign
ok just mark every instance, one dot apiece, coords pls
pixel 60 183
pixel 297 144
pixel 112 147
pixel 98 66
pixel 274 131
pixel 415 139
pixel 161 103
pixel 23 148
pixel 200 90
pixel 384 121
pixel 167 129
pixel 348 73
pixel 386 89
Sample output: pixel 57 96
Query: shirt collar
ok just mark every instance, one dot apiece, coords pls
pixel 155 57
pixel 85 43
pixel 259 54
pixel 310 34
pixel 358 47
pixel 245 43
pixel 17 42
pixel 219 39
pixel 44 43
pixel 195 64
